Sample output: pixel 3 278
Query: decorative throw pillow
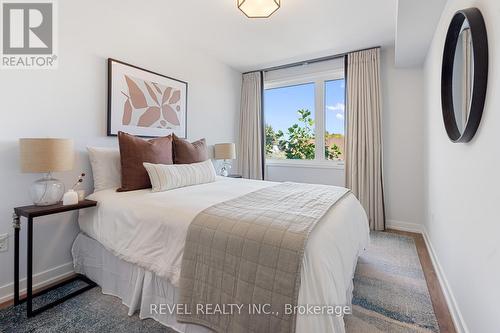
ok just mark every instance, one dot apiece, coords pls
pixel 186 152
pixel 134 152
pixel 167 177
pixel 106 167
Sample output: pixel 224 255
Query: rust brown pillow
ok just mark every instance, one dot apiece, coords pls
pixel 186 152
pixel 134 151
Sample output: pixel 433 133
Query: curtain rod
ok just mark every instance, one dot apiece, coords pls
pixel 310 61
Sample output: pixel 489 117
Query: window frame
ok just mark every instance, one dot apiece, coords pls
pixel 319 79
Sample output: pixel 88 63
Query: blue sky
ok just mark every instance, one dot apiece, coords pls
pixel 281 105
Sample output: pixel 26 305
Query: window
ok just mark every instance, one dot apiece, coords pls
pixel 304 117
pixel 289 126
pixel 334 119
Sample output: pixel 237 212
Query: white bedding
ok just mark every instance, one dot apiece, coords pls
pixel 149 229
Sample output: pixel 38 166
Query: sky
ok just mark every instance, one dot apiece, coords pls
pixel 281 105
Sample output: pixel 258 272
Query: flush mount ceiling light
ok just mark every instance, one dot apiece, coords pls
pixel 259 8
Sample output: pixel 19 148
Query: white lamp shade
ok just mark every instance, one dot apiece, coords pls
pixel 225 151
pixel 46 155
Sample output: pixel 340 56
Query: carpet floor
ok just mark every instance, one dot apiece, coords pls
pixel 390 295
pixel 390 291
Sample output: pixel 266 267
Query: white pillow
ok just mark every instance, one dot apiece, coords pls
pixel 106 167
pixel 167 177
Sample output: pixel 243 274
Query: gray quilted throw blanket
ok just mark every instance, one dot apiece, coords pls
pixel 242 259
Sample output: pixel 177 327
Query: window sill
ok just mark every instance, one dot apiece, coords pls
pixel 306 164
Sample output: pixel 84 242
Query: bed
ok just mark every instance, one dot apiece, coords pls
pixel 132 245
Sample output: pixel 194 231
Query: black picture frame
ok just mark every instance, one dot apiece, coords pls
pixel 480 79
pixel 110 62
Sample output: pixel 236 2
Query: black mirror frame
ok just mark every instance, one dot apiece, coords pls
pixel 480 81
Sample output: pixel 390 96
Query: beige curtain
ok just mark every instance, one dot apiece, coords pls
pixel 250 152
pixel 363 164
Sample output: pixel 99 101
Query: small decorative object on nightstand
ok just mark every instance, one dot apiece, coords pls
pixel 30 212
pixel 226 152
pixel 71 197
pixel 46 156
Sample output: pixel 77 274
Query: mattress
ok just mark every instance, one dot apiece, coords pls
pixel 148 230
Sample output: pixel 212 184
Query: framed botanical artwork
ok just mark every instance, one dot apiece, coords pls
pixel 144 103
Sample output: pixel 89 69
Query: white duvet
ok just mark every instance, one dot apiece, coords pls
pixel 149 229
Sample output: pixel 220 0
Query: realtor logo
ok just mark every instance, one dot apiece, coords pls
pixel 28 32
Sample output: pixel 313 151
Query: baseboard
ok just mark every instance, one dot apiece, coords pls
pixel 40 280
pixel 403 226
pixel 456 315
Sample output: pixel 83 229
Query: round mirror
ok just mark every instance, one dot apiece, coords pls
pixel 464 74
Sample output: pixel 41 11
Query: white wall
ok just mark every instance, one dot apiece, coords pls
pixel 317 174
pixel 72 102
pixel 403 143
pixel 462 221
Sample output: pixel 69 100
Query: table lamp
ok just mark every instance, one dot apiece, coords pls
pixel 46 155
pixel 225 151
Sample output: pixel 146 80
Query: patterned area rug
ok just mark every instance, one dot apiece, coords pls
pixel 390 295
pixel 390 292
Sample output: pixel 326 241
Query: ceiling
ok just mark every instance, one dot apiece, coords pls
pixel 416 23
pixel 299 30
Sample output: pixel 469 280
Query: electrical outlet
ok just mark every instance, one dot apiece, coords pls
pixel 4 242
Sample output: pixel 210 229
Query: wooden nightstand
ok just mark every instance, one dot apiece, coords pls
pixel 30 212
pixel 235 176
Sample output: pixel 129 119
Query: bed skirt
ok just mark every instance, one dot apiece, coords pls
pixel 135 286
